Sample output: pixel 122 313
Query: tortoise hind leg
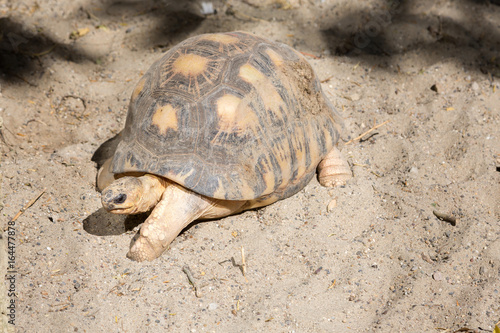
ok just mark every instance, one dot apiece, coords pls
pixel 333 170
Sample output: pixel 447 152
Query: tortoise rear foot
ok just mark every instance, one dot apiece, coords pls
pixel 333 170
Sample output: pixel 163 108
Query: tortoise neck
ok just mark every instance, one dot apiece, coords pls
pixel 153 187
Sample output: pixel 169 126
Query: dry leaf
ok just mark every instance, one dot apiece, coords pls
pixel 79 33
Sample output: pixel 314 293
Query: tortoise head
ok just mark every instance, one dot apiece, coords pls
pixel 123 196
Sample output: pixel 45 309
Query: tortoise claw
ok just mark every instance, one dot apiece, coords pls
pixel 142 250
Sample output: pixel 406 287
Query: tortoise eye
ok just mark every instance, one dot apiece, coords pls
pixel 120 199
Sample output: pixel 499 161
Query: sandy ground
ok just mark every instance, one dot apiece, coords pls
pixel 378 260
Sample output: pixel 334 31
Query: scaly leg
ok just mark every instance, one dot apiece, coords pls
pixel 333 170
pixel 177 208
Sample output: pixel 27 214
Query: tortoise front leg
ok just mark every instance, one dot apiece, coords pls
pixel 177 208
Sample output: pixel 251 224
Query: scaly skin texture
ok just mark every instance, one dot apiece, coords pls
pixel 177 208
pixel 333 170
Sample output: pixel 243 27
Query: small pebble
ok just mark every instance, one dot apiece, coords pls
pixel 355 97
pixel 475 86
pixel 213 306
pixel 437 276
pixel 331 205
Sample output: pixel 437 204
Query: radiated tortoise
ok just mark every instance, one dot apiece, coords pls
pixel 221 123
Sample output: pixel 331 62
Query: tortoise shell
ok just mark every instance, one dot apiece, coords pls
pixel 230 116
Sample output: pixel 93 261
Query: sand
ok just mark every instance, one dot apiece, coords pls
pixel 370 256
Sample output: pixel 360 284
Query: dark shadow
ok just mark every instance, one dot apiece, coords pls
pixel 102 223
pixel 377 37
pixel 486 2
pixel 106 150
pixel 178 18
pixel 23 51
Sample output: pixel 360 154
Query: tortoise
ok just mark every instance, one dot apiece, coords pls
pixel 220 124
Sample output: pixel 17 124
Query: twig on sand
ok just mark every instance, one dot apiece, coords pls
pixel 41 54
pixel 28 205
pixel 310 55
pixel 243 264
pixel 23 79
pixel 189 275
pixel 327 79
pixel 365 133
